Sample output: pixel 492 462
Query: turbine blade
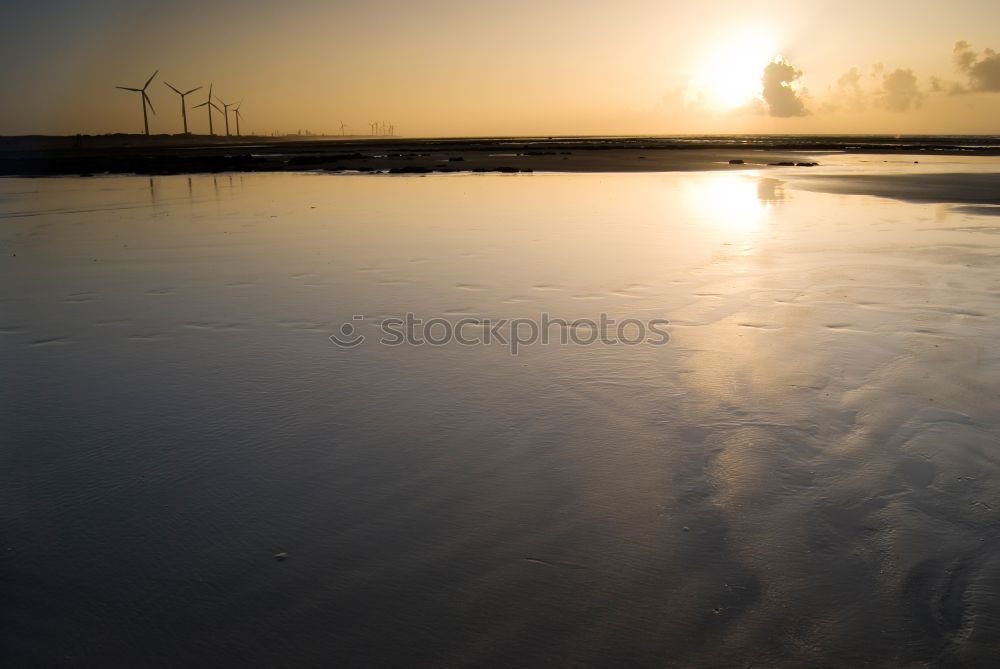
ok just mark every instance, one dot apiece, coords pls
pixel 215 106
pixel 193 90
pixel 126 88
pixel 149 80
pixel 173 89
pixel 201 105
pixel 148 102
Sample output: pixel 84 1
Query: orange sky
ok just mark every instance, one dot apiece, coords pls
pixel 516 67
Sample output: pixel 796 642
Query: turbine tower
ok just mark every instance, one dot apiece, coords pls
pixel 184 113
pixel 236 111
pixel 225 112
pixel 208 103
pixel 145 101
pixel 342 127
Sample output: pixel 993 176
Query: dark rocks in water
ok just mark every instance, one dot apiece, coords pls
pixel 736 161
pixel 504 170
pixel 806 164
pixel 783 163
pixel 410 169
pixel 322 159
pixel 456 159
pixel 281 557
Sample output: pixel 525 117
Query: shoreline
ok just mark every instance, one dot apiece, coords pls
pixel 802 158
pixel 161 155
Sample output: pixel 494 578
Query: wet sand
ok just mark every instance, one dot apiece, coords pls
pixel 807 474
pixel 968 189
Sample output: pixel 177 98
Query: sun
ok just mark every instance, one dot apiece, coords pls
pixel 730 74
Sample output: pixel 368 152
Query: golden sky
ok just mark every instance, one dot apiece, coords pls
pixel 481 67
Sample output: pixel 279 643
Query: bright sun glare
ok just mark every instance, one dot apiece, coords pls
pixel 731 73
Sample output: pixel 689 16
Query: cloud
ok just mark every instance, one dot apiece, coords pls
pixel 898 90
pixel 782 100
pixel 858 91
pixel 848 95
pixel 983 70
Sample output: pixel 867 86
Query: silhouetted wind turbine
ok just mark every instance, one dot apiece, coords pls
pixel 145 100
pixel 238 115
pixel 184 113
pixel 342 126
pixel 225 112
pixel 208 103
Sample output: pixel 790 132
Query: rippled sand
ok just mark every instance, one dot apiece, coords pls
pixel 805 475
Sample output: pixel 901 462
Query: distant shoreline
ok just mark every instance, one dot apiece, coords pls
pixel 178 154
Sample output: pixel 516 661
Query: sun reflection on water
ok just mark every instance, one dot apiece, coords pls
pixel 735 202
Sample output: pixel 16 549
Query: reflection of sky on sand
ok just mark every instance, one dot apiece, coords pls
pixel 820 362
pixel 811 459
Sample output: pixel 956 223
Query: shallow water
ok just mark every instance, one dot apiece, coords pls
pixel 805 474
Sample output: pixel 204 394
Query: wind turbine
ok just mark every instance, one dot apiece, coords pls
pixel 145 100
pixel 208 103
pixel 342 126
pixel 225 111
pixel 237 112
pixel 184 113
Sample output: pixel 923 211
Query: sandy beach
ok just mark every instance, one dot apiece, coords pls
pixel 806 473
